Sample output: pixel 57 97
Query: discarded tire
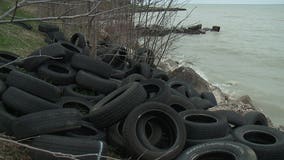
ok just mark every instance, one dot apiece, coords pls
pixel 157 90
pixel 48 28
pixel 6 120
pixel 82 105
pixel 94 66
pixel 204 124
pixel 234 119
pixel 218 150
pixel 171 123
pixel 268 143
pixel 6 57
pixel 57 73
pixel 255 118
pixel 91 81
pixel 117 105
pixel 33 85
pixel 46 122
pixel 179 103
pixel 77 91
pixel 24 103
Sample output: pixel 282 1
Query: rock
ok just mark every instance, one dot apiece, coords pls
pixel 216 28
pixel 245 99
pixel 195 27
pixel 189 75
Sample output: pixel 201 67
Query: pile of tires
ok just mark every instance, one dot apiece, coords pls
pixel 64 101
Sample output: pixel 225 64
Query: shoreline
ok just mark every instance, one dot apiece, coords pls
pixel 242 105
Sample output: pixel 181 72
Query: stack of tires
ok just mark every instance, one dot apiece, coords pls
pixel 64 101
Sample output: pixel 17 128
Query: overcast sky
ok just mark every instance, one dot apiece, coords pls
pixel 237 1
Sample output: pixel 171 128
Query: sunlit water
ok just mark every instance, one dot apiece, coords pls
pixel 246 57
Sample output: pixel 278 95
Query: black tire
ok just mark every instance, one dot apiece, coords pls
pixel 133 78
pixel 79 40
pixel 201 103
pixel 115 137
pixel 149 130
pixel 6 57
pixel 193 142
pixel 56 36
pixel 4 71
pixel 117 105
pixel 48 28
pixel 180 103
pixel 234 119
pixel 24 103
pixel 183 87
pixel 145 70
pixel 86 131
pixel 34 60
pixel 3 87
pixel 70 50
pixel 68 145
pixel 45 122
pixel 57 73
pixel 204 124
pixel 74 90
pixel 118 74
pixel 255 118
pixel 80 104
pixel 159 74
pixel 210 97
pixel 268 143
pixel 94 66
pixel 171 124
pixel 6 120
pixel 96 83
pixel 33 85
pixel 218 151
pixel 157 90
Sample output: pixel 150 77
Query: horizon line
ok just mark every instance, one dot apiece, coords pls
pixel 242 3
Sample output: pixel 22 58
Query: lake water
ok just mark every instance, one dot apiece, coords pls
pixel 246 57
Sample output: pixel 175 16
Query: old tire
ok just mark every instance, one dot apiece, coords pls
pixel 92 65
pixel 6 120
pixel 193 142
pixel 268 143
pixel 73 91
pixel 24 103
pixel 157 90
pixel 42 55
pixel 204 124
pixel 210 97
pixel 43 27
pixel 57 73
pixel 45 122
pixel 218 151
pixel 234 119
pixel 201 103
pixel 96 83
pixel 117 105
pixel 255 118
pixel 172 126
pixel 80 104
pixel 180 103
pixel 33 86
